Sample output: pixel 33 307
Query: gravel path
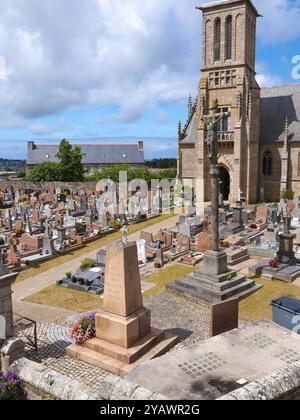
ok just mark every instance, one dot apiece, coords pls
pixel 186 319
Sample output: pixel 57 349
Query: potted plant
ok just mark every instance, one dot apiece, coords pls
pixel 11 388
pixel 84 330
pixel 69 275
pixel 274 263
pixel 87 264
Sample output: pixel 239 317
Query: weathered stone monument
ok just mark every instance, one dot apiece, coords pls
pixel 215 282
pixel 9 345
pixel 286 252
pixel 124 337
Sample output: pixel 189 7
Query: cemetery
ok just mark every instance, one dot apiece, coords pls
pixel 226 266
pixel 184 289
pixel 142 280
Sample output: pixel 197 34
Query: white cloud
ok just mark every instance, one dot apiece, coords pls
pixel 280 22
pixel 70 54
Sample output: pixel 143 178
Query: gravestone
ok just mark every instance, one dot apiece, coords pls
pixel 101 258
pixel 185 229
pixel 183 243
pixel 262 213
pixel 203 241
pixel 147 236
pixel 165 237
pixel 141 248
pixel 123 327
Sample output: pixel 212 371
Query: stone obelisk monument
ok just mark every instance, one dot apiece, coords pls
pixel 124 336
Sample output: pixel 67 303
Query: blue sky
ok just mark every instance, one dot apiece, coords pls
pixel 120 70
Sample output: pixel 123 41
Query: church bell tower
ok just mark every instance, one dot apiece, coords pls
pixel 228 77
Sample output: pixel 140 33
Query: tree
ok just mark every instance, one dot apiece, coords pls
pixel 70 166
pixel 44 172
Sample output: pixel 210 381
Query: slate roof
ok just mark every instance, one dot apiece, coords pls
pixel 99 154
pixel 277 103
pixel 189 133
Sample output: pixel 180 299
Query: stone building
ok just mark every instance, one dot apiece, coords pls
pixel 259 144
pixel 97 156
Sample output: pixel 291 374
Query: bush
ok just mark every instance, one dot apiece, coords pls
pixel 115 224
pixel 11 388
pixel 226 244
pixel 69 275
pixel 87 264
pixel 288 195
pixel 84 330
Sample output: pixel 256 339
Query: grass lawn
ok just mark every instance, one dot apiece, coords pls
pixel 80 302
pixel 41 268
pixel 66 299
pixel 258 307
pixel 167 276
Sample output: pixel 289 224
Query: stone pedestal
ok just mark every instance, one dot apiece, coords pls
pixel 9 345
pixel 215 283
pixel 6 281
pixel 286 252
pixel 124 337
pixel 237 224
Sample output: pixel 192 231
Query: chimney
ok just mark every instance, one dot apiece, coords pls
pixel 30 146
pixel 141 145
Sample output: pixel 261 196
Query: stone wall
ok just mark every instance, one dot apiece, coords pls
pixel 42 381
pixel 25 185
pixel 281 385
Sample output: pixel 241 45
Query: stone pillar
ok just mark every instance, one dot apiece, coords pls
pixel 6 281
pixel 9 345
pixel 285 160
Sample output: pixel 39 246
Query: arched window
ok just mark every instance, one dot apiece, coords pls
pixel 218 39
pixel 229 38
pixel 267 163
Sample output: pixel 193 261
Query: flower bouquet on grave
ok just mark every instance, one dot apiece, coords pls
pixel 273 263
pixel 84 330
pixel 11 388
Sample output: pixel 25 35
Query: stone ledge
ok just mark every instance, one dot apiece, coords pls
pixel 281 385
pixel 49 382
pixel 44 380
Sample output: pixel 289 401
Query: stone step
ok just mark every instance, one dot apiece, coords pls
pixel 246 293
pixel 128 356
pixel 194 284
pixel 167 343
pixel 97 359
pixel 110 364
pixel 236 290
pixel 201 292
pixel 238 260
pixel 219 279
pixel 203 296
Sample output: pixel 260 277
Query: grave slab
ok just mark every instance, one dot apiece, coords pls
pixel 214 368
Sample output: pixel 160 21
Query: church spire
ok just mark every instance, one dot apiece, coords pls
pixel 179 131
pixel 190 105
pixel 286 134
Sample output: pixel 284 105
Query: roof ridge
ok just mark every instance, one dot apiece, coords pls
pixel 281 86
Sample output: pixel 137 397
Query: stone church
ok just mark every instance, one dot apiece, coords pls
pixel 259 143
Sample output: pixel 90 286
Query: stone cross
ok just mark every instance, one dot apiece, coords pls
pixel 124 231
pixel 210 122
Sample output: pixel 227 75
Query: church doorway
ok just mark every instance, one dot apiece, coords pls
pixel 224 183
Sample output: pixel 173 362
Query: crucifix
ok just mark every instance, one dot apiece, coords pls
pixel 210 122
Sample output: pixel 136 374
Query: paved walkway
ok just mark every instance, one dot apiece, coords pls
pixel 34 284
